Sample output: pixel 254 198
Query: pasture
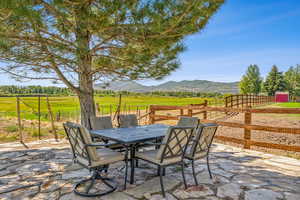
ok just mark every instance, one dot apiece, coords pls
pixel 67 109
pixel 69 106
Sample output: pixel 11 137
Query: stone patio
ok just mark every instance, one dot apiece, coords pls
pixel 47 172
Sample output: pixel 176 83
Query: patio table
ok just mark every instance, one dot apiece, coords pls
pixel 132 137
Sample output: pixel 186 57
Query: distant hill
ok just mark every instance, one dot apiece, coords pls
pixel 191 86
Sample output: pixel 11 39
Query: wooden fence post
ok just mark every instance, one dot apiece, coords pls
pixel 247 132
pixel 52 119
pixel 19 120
pixel 226 102
pixel 39 112
pixel 242 101
pixel 181 112
pixel 205 112
pixel 58 116
pixel 190 112
pixel 97 109
pixel 151 115
pixel 20 124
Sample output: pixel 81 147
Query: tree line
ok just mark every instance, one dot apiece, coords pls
pixel 33 89
pixel 62 91
pixel 253 83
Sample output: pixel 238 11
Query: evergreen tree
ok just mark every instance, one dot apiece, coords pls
pixel 79 42
pixel 292 79
pixel 274 81
pixel 251 81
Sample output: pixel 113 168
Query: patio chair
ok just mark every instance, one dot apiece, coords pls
pixel 188 121
pixel 200 146
pixel 126 121
pixel 98 123
pixel 93 156
pixel 171 151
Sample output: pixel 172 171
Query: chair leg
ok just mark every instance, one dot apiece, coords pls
pixel 136 160
pixel 164 171
pixel 183 176
pixel 161 181
pixel 194 174
pixel 106 168
pixel 158 170
pixel 126 168
pixel 207 161
pixel 132 163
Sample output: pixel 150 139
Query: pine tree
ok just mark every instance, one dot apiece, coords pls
pixel 292 79
pixel 79 42
pixel 251 81
pixel 274 81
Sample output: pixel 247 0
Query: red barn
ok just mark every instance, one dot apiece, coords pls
pixel 281 97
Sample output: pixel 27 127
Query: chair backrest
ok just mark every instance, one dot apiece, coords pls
pixel 79 137
pixel 188 121
pixel 98 123
pixel 174 143
pixel 126 121
pixel 203 139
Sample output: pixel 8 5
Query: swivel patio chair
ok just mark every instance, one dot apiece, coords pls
pixel 171 151
pixel 93 156
pixel 126 121
pixel 188 121
pixel 200 146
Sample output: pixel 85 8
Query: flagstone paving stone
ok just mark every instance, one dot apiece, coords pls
pixel 238 174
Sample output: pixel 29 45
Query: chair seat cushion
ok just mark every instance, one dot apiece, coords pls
pixel 104 156
pixel 198 155
pixel 151 156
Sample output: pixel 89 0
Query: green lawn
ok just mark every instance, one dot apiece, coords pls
pixel 289 105
pixel 285 105
pixel 69 106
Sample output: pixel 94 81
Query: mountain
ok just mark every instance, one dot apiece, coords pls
pixel 130 86
pixel 191 86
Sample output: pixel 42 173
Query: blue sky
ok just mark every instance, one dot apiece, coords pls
pixel 243 32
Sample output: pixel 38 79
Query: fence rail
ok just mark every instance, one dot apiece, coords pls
pixel 247 125
pixel 247 100
pixel 189 110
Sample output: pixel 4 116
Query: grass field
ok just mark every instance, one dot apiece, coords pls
pixel 285 105
pixel 289 105
pixel 69 106
pixel 68 109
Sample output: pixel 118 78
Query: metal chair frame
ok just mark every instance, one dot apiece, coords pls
pixel 168 153
pixel 97 170
pixel 197 147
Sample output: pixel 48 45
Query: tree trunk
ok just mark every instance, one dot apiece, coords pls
pixel 84 58
pixel 86 99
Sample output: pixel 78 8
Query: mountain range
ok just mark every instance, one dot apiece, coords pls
pixel 186 85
